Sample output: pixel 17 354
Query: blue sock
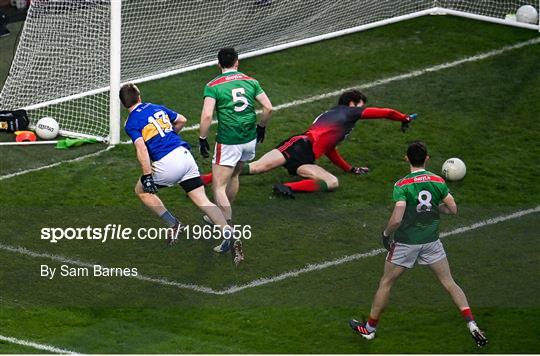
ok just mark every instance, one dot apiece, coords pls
pixel 169 219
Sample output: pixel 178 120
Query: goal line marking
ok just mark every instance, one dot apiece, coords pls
pixel 266 280
pixel 412 74
pixel 408 75
pixel 56 164
pixel 35 345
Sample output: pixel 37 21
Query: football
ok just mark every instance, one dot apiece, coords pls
pixel 454 169
pixel 527 14
pixel 47 128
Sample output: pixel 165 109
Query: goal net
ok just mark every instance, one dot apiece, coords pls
pixel 62 64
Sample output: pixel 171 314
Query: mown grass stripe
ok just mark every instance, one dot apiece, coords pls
pixel 267 280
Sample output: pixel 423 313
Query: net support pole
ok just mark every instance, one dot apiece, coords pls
pixel 115 71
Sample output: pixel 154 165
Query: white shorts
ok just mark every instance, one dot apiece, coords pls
pixel 230 155
pixel 406 255
pixel 177 166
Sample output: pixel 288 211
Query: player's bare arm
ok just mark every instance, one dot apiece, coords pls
pixel 206 116
pixel 143 157
pixel 396 218
pixel 179 123
pixel 265 115
pixel 146 180
pixel 448 206
pixel 416 240
pixel 266 108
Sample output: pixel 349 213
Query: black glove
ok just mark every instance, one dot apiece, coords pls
pixel 261 130
pixel 148 184
pixel 359 170
pixel 204 147
pixel 405 124
pixel 386 241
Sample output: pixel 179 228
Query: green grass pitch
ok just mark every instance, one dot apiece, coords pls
pixel 485 112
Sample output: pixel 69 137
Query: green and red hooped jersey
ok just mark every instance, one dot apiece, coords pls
pixel 422 191
pixel 235 94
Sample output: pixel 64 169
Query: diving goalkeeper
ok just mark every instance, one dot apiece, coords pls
pixel 298 153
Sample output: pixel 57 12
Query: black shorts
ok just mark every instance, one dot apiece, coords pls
pixel 297 151
pixel 188 185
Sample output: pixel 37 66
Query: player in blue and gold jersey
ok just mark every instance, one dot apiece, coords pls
pixel 166 161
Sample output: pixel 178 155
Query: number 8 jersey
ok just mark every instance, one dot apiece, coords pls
pixel 235 95
pixel 154 124
pixel 422 191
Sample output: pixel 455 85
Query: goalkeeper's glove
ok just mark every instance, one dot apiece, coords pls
pixel 359 170
pixel 386 241
pixel 261 130
pixel 204 147
pixel 405 124
pixel 148 184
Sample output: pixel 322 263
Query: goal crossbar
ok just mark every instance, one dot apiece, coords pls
pixel 113 136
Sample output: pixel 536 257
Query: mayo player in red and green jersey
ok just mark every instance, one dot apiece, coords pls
pixel 233 95
pixel 419 199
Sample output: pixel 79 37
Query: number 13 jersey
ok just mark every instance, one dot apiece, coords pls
pixel 154 124
pixel 422 191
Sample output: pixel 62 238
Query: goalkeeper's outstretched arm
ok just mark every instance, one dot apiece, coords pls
pixel 338 160
pixel 383 113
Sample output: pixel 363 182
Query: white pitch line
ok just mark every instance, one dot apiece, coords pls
pixel 35 345
pixel 256 283
pixel 277 278
pixel 491 221
pixel 315 267
pixel 80 158
pixel 411 74
pixel 70 261
pixel 295 273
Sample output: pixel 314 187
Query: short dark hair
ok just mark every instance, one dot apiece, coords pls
pixel 351 95
pixel 227 57
pixel 417 153
pixel 129 95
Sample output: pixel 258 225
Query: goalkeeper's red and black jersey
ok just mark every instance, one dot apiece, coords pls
pixel 334 125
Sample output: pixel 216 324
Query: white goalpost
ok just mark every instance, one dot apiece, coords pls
pixel 73 55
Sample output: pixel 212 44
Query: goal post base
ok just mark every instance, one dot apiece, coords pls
pixel 488 19
pixel 94 47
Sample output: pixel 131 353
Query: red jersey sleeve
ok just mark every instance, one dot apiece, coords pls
pixel 336 159
pixel 381 113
